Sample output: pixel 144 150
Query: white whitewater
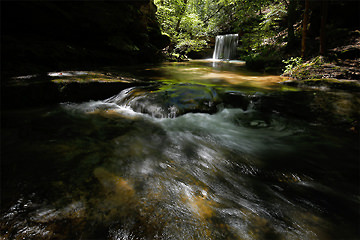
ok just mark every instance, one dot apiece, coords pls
pixel 225 46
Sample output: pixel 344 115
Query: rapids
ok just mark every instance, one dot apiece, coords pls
pixel 203 151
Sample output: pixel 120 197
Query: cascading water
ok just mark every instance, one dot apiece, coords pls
pixel 225 46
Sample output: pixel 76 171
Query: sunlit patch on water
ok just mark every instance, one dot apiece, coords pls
pixel 216 73
pixel 147 164
pixel 67 73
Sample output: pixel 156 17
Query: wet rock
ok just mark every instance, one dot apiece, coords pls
pixel 236 100
pixel 69 86
pixel 170 100
pixel 258 123
pixel 294 104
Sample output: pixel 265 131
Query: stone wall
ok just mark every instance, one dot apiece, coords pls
pixel 39 36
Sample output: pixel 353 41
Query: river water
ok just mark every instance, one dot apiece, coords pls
pixel 204 150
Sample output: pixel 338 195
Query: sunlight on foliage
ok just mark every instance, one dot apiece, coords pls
pixel 292 63
pixel 192 25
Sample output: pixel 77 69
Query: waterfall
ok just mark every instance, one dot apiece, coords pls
pixel 225 46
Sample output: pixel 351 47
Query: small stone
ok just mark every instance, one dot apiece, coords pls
pixel 258 123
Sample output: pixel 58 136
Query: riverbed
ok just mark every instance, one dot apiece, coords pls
pixel 201 150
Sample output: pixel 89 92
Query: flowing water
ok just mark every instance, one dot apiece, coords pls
pixel 202 151
pixel 225 46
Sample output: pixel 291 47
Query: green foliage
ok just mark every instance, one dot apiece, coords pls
pixel 274 14
pixel 268 60
pixel 292 64
pixel 192 23
pixel 187 45
pixel 315 68
pixel 180 19
pixel 263 26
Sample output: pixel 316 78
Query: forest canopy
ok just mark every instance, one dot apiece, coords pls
pixel 193 24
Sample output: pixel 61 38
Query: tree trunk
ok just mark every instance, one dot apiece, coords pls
pixel 177 28
pixel 304 29
pixel 218 10
pixel 324 12
pixel 291 22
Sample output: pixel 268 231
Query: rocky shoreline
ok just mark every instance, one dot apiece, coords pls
pixel 340 69
pixel 70 86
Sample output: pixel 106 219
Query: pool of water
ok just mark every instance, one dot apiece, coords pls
pixel 205 150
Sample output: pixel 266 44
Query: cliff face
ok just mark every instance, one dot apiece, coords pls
pixel 45 36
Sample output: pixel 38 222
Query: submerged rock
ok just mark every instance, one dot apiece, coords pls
pixel 258 123
pixel 169 100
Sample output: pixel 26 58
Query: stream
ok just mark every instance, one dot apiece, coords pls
pixel 203 150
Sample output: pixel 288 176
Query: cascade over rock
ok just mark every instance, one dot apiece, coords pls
pixel 225 46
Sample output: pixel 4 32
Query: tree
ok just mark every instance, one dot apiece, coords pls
pixel 291 9
pixel 190 23
pixel 182 9
pixel 304 29
pixel 324 12
pixel 183 22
